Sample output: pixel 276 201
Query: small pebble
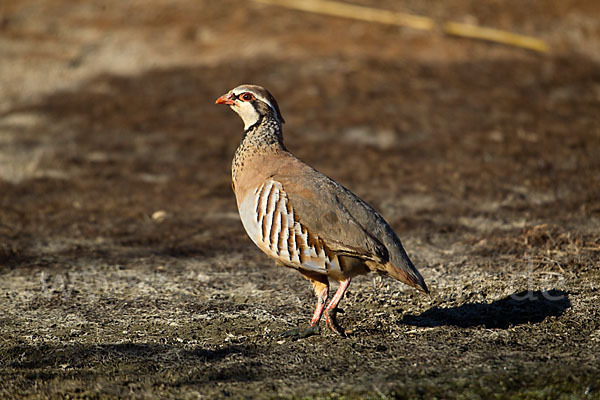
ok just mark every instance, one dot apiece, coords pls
pixel 159 215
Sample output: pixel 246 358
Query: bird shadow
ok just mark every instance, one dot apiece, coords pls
pixel 516 309
pixel 30 356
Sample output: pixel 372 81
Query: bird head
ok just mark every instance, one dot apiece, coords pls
pixel 252 103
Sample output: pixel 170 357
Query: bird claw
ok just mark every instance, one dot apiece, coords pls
pixel 301 333
pixel 330 317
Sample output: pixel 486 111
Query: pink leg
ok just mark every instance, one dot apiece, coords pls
pixel 322 298
pixel 331 307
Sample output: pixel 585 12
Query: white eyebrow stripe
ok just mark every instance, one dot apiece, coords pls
pixel 257 95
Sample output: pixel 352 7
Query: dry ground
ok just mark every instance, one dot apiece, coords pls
pixel 124 269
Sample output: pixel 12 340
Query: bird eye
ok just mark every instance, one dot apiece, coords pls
pixel 247 96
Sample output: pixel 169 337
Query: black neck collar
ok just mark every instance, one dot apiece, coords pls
pixel 254 125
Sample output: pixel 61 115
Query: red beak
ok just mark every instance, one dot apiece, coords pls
pixel 225 99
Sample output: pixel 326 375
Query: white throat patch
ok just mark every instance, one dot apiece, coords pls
pixel 247 112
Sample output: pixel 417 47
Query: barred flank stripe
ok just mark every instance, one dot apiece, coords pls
pixel 259 212
pixel 268 221
pixel 275 229
pixel 284 233
pixel 285 236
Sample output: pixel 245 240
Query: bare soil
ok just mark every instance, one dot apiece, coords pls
pixel 124 269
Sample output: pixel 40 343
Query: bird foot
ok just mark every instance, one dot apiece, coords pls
pixel 330 317
pixel 301 333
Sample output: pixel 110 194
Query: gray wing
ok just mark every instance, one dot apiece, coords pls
pixel 347 225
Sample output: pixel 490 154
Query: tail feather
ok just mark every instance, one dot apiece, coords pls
pixel 408 275
pixel 399 265
pixel 411 276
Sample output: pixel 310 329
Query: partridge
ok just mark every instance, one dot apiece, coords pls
pixel 302 218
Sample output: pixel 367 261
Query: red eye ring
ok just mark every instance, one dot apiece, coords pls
pixel 247 96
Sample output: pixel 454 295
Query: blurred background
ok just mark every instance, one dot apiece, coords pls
pixel 120 244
